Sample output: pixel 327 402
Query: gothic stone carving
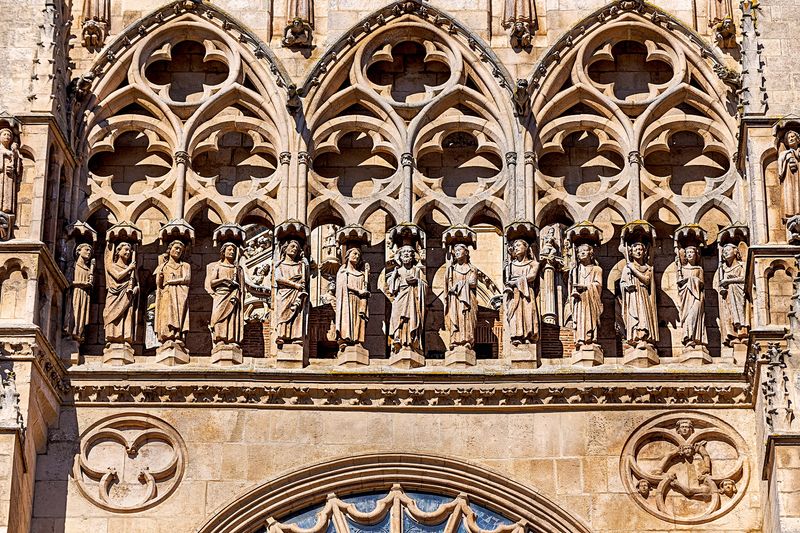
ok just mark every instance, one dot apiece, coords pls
pixel 637 287
pixel 173 276
pixel 122 293
pixel 585 289
pixel 82 283
pixel 10 415
pixel 224 283
pixel 299 30
pixel 733 318
pixel 519 17
pixel 521 279
pixel 685 468
pixel 10 174
pixel 691 292
pixel 352 299
pixel 779 412
pixel 129 463
pixel 407 289
pixel 461 302
pixel 290 295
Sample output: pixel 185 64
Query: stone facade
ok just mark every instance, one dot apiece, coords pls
pixel 499 266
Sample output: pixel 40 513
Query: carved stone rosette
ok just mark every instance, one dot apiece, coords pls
pixel 129 462
pixel 685 467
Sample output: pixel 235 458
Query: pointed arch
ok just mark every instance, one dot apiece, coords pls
pixel 443 475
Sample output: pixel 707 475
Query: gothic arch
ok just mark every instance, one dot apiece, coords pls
pixel 294 491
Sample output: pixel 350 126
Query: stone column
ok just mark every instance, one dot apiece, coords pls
pixel 530 186
pixel 182 161
pixel 635 184
pixel 517 200
pixel 407 192
pixel 303 164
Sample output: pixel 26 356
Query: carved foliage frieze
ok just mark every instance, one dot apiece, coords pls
pixel 685 467
pixel 129 462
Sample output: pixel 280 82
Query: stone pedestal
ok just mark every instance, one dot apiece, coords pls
pixel 118 353
pixel 353 355
pixel 226 354
pixel 524 355
pixel 291 356
pixel 695 356
pixel 406 358
pixel 640 357
pixel 172 353
pixel 587 355
pixel 460 356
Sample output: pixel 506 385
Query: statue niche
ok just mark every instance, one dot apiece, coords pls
pixel 225 283
pixel 585 287
pixel 637 296
pixel 407 288
pixel 82 283
pixel 10 175
pixel 122 297
pixel 461 305
pixel 352 305
pixel 173 276
pixel 689 240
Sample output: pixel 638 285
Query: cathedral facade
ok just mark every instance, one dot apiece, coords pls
pixel 500 266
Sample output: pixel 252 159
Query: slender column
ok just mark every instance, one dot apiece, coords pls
pixel 635 184
pixel 303 163
pixel 515 198
pixel 182 160
pixel 530 186
pixel 407 192
pixel 284 193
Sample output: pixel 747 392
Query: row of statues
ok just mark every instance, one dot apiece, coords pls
pixel 408 291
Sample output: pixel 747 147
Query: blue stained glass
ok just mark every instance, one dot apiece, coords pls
pixel 365 503
pixel 487 519
pixel 305 519
pixel 428 502
pixel 381 527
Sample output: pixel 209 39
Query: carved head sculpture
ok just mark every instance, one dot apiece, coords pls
pixel 175 250
pixel 406 255
pixel 686 451
pixel 643 488
pixel 228 252
pixel 727 487
pixel 684 428
pixel 520 28
pixel 638 251
pixel 692 255
pixel 585 253
pixel 123 251
pixel 292 249
pixel 297 25
pixel 353 257
pixel 461 253
pixel 519 249
pixel 84 251
pixel 791 139
pixel 730 253
pixel 6 137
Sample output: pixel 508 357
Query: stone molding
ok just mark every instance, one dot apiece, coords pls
pixel 145 479
pixel 29 344
pixel 721 477
pixel 375 472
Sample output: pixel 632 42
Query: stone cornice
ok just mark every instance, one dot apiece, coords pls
pixel 25 342
pixel 501 391
pixel 45 257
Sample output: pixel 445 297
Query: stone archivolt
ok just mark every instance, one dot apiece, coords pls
pixel 129 462
pixel 686 468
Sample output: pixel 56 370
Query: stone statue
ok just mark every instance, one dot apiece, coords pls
pixel 691 290
pixel 122 291
pixel 10 414
pixel 638 305
pixel 718 11
pixel 407 289
pixel 150 337
pixel 789 172
pixel 224 283
pixel 731 296
pixel 352 298
pixel 585 287
pixel 521 310
pixel 10 171
pixel 299 30
pixel 82 283
pixel 96 22
pixel 290 293
pixel 519 16
pixel 173 276
pixel 461 300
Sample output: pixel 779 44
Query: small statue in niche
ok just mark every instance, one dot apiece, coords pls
pixel 725 33
pixel 731 294
pixel 461 300
pixel 150 337
pixel 10 171
pixel 173 276
pixel 638 306
pixel 789 172
pixel 10 414
pixel 82 283
pixel 585 287
pixel 691 291
pixel 290 294
pixel 521 310
pixel 122 291
pixel 720 20
pixel 298 34
pixel 352 299
pixel 519 17
pixel 407 289
pixel 224 283
pixel 96 22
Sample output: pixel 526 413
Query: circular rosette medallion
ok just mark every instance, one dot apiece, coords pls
pixel 685 468
pixel 129 462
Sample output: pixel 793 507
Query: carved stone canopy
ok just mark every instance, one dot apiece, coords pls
pixel 784 126
pixel 522 229
pixel 124 231
pixel 406 234
pixel 177 229
pixel 292 229
pixel 735 233
pixel 459 234
pixel 9 122
pixel 229 232
pixel 638 231
pixel 353 235
pixel 690 235
pixel 81 232
pixel 584 233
